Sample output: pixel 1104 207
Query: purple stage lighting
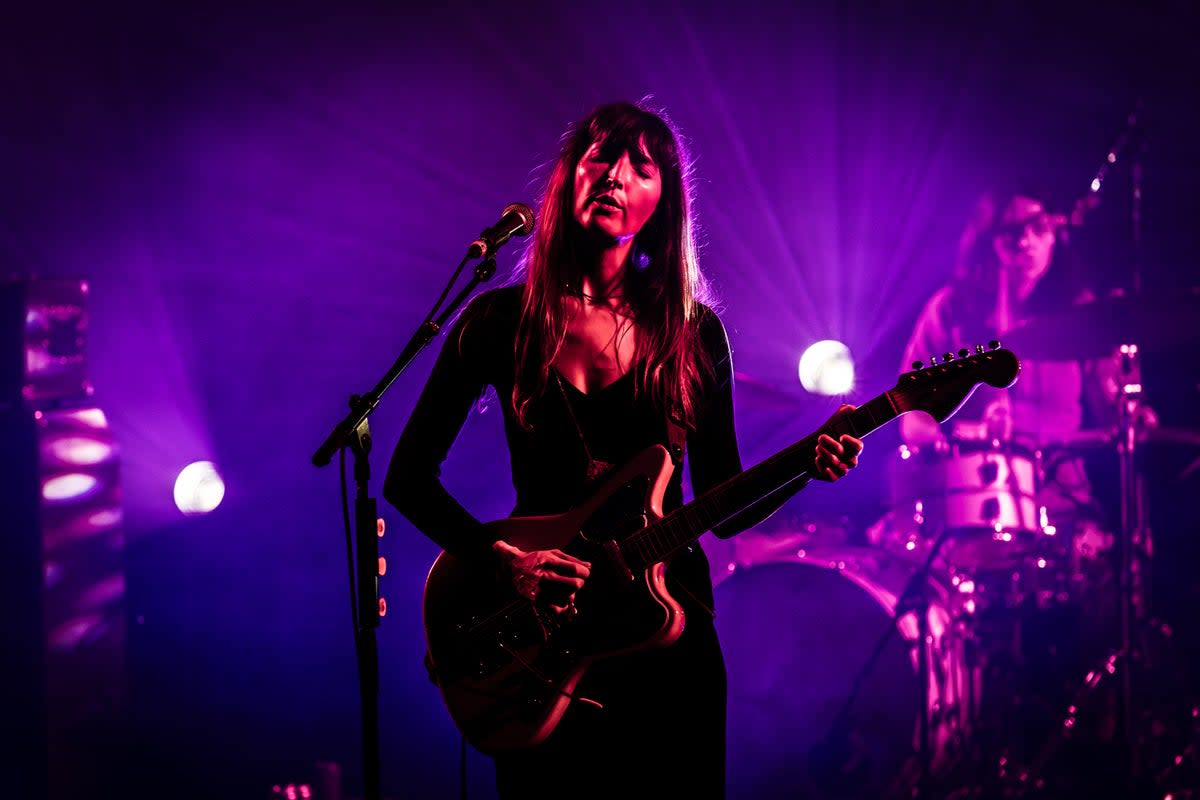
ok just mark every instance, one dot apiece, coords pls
pixel 199 488
pixel 827 368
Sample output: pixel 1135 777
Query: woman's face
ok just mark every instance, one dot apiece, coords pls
pixel 616 192
pixel 1024 241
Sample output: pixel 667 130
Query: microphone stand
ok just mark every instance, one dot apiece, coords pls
pixel 1133 537
pixel 366 605
pixel 914 598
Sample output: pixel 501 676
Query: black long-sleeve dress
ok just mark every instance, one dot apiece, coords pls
pixel 664 709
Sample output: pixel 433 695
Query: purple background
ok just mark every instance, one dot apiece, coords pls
pixel 267 198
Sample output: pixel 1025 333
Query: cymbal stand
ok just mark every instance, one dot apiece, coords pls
pixel 1132 539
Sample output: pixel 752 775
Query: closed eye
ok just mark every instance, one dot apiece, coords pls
pixel 644 165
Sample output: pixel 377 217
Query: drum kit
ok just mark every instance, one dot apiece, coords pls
pixel 970 644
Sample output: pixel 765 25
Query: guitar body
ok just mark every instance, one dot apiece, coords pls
pixel 507 671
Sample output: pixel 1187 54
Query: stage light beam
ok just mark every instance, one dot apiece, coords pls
pixel 199 488
pixel 827 368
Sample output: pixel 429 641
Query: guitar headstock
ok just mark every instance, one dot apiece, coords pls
pixel 940 389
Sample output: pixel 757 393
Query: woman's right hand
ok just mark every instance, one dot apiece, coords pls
pixel 549 578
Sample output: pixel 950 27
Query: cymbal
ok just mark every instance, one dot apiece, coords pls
pixel 1150 320
pixel 1106 438
pixel 1185 436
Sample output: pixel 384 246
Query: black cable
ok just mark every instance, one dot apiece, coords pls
pixel 349 541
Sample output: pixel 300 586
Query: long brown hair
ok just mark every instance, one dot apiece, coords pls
pixel 663 285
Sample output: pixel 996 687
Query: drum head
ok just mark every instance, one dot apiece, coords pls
pixel 796 637
pixel 984 497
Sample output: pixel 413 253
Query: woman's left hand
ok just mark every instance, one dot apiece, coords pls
pixel 836 457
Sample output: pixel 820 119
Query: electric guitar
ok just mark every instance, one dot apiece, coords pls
pixel 507 668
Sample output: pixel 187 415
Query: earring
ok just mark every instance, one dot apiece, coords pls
pixel 641 259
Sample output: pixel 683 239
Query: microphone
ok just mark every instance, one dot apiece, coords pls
pixel 517 220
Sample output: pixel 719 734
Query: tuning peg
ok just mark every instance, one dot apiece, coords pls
pixel 380 527
pixel 979 349
pixel 933 361
pixel 918 365
pixel 382 566
pixel 382 607
pixel 993 345
pixel 964 353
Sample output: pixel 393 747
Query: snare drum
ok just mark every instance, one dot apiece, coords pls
pixel 983 495
pixel 798 628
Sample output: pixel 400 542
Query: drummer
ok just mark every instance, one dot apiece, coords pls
pixel 1012 264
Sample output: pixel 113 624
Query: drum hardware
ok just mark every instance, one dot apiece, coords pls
pixel 797 627
pixel 1120 326
pixel 914 599
pixel 1032 779
pixel 1134 534
pixel 1123 670
pixel 1175 731
pixel 985 491
pixel 1117 702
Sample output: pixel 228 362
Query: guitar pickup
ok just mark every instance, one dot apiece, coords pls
pixel 613 549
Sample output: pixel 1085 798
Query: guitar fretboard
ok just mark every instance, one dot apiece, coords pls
pixel 660 540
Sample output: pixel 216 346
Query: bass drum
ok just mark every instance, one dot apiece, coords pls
pixel 798 630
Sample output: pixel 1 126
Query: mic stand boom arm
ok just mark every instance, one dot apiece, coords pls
pixel 366 404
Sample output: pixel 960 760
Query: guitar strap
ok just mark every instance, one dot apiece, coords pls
pixel 677 446
pixel 676 440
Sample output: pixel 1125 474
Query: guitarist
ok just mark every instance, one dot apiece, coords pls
pixel 605 349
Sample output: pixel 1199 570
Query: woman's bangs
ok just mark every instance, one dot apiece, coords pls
pixel 641 134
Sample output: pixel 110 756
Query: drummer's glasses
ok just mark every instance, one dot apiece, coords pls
pixel 1038 225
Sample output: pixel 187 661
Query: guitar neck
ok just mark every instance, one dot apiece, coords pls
pixel 663 538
